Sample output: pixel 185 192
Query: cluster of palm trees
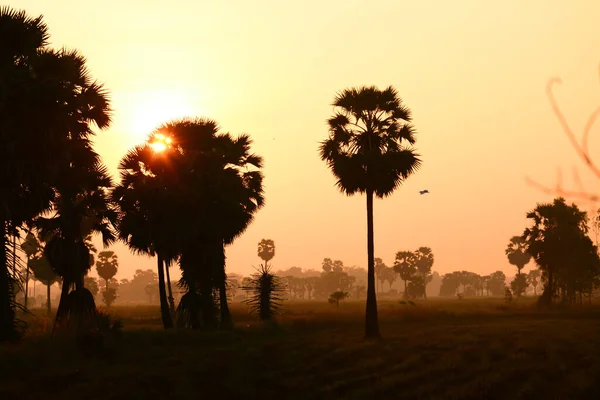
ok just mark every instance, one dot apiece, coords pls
pixel 52 180
pixel 558 241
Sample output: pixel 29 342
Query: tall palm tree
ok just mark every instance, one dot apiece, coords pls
pixel 366 152
pixel 221 179
pixel 48 99
pixel 147 211
pixel 82 207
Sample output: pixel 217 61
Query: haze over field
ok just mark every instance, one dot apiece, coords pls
pixel 473 74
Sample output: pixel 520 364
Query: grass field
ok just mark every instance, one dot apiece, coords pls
pixel 438 349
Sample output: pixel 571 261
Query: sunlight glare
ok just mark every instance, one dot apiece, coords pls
pixel 151 108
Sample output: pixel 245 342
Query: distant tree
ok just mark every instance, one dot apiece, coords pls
pixel 31 247
pixel 496 283
pixel 518 285
pixel 337 266
pixel 424 261
pixel 450 284
pixel 517 254
pixel 266 250
pixel 390 276
pixel 558 232
pixel 415 288
pixel 508 297
pixel 91 284
pixel 109 295
pixel 366 152
pixel 405 266
pixel 337 297
pixel 107 266
pixel 360 291
pixel 595 225
pixel 44 273
pixel 533 279
pixel 327 265
pixel 380 269
pixel 266 290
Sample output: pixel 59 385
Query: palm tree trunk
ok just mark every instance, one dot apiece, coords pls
pixel 225 314
pixel 371 321
pixel 49 308
pixel 62 309
pixel 171 300
pixel 164 306
pixel 7 313
pixel 27 282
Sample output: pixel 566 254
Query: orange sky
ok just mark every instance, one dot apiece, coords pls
pixel 473 73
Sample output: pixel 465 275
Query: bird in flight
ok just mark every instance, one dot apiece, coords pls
pixel 423 191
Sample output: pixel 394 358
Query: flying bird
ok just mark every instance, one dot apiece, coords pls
pixel 423 191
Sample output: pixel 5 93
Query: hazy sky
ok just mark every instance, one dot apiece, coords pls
pixel 472 71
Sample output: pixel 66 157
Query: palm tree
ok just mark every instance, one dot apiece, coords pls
pixel 517 254
pixel 220 178
pixel 48 99
pixel 82 208
pixel 25 170
pixel 107 266
pixel 44 273
pixel 366 153
pixel 405 266
pixel 147 222
pixel 30 246
pixel 266 250
pixel 380 268
pixel 556 230
pixel 424 262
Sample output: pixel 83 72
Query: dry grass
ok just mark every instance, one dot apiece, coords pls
pixel 446 349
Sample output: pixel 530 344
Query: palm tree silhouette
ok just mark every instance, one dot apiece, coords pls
pixel 48 103
pixel 107 266
pixel 405 266
pixel 82 207
pixel 266 250
pixel 366 153
pixel 424 262
pixel 147 212
pixel 221 179
pixel 517 254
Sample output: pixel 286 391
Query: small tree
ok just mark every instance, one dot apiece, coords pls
pixel 338 296
pixel 266 293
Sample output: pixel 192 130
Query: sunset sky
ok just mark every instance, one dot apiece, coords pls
pixel 473 72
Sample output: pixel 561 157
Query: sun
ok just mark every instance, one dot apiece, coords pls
pixel 159 142
pixel 151 108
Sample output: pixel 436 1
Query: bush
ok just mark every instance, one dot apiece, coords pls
pixel 336 297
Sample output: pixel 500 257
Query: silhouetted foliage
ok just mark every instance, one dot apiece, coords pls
pixel 366 152
pixel 337 297
pixel 266 293
pixel 558 242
